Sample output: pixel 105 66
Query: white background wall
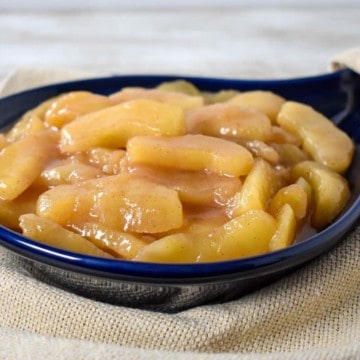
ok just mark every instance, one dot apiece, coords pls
pixel 244 38
pixel 45 5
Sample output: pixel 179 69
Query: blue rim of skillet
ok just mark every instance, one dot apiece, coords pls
pixel 179 273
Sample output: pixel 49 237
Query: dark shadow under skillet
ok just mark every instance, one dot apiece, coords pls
pixel 168 287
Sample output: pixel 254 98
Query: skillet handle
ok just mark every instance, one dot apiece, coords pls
pixel 349 119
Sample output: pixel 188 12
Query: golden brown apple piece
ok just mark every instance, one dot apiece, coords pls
pixel 108 160
pixel 245 235
pixel 330 191
pixel 326 143
pixel 191 152
pixel 121 202
pixel 114 126
pixel 260 149
pixel 264 101
pixel 258 187
pixel 21 162
pixel 118 243
pixel 289 154
pixel 230 121
pixel 51 233
pixel 29 121
pixel 285 229
pixel 28 125
pixel 179 86
pixel 183 101
pixel 219 96
pixel 4 142
pixel 197 188
pixel 282 136
pixel 69 173
pixel 69 106
pixel 293 195
pixel 25 203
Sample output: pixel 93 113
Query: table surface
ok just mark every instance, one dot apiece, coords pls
pixel 243 42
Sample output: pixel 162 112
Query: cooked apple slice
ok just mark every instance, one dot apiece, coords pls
pixel 260 149
pixel 138 205
pixel 258 187
pixel 205 224
pixel 264 101
pixel 219 96
pixel 246 235
pixel 25 203
pixel 69 106
pixel 176 248
pixel 307 188
pixel 21 162
pixel 70 173
pixel 191 152
pixel 231 121
pixel 320 137
pixel 118 243
pixel 179 86
pixel 65 204
pixel 196 188
pixel 183 101
pixel 330 191
pixel 282 136
pixel 290 154
pixel 30 120
pixel 108 160
pixel 121 202
pixel 51 233
pixel 285 229
pixel 3 141
pixel 295 196
pixel 114 126
pixel 28 125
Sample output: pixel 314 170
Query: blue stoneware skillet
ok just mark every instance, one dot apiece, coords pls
pixel 167 287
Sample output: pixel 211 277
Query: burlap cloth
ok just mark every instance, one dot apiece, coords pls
pixel 311 314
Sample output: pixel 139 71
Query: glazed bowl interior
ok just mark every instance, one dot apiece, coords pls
pixel 336 95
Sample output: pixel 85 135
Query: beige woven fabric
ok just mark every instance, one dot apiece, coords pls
pixel 313 313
